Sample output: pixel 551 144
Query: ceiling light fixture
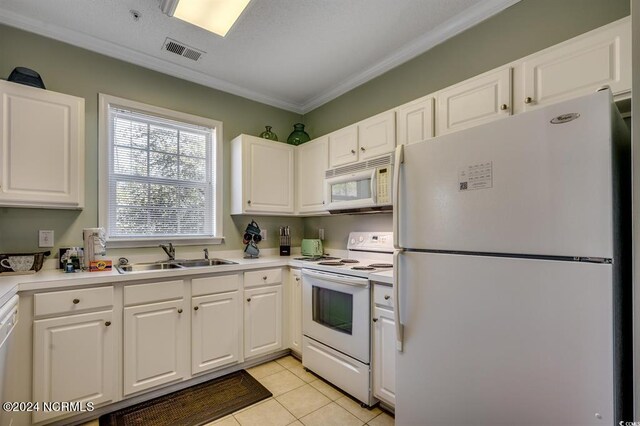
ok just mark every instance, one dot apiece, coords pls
pixel 217 16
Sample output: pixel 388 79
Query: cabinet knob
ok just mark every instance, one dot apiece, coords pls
pixel 353 151
pixel 76 301
pixel 375 319
pixel 179 311
pixel 528 100
pixel 362 148
pixel 504 107
pixel 107 323
pixel 195 308
pixel 387 297
pixel 248 201
pixel 322 201
pixel 264 278
pixel 297 278
pixel 248 299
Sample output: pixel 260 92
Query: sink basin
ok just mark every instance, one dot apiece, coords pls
pixel 193 263
pixel 135 267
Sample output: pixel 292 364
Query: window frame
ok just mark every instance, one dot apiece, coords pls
pixel 104 103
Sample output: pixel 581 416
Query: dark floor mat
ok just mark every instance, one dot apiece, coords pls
pixel 196 405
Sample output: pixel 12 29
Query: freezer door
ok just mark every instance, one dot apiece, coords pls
pixel 499 341
pixel 518 185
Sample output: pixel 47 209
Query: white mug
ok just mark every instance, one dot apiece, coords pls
pixel 18 263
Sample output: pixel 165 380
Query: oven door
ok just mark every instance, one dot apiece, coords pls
pixel 335 311
pixel 355 190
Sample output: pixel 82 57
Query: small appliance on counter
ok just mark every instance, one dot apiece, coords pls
pixel 311 247
pixel 251 238
pixel 285 241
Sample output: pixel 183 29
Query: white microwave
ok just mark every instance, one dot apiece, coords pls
pixel 363 186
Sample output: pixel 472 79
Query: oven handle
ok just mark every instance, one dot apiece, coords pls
pixel 356 282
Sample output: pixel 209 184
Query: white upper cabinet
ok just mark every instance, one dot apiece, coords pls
pixel 377 135
pixel 312 160
pixel 369 138
pixel 579 66
pixel 415 120
pixel 343 146
pixel 262 176
pixel 41 148
pixel 475 101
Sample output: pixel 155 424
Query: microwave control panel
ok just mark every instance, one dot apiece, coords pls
pixel 382 179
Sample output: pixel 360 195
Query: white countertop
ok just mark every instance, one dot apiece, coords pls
pixel 56 278
pixel 382 277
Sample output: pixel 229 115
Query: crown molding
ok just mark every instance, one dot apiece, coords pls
pixel 441 33
pixel 89 42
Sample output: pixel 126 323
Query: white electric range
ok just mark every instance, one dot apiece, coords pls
pixel 336 312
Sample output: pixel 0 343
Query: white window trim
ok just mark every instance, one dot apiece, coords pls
pixel 104 101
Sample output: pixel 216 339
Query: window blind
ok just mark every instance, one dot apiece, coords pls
pixel 161 177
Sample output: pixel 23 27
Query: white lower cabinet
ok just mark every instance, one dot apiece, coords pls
pixel 295 312
pixel 384 351
pixel 155 344
pixel 215 328
pixel 73 360
pixel 262 320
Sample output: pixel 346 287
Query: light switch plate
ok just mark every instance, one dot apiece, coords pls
pixel 321 233
pixel 263 234
pixel 45 238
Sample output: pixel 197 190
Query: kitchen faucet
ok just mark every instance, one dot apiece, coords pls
pixel 171 251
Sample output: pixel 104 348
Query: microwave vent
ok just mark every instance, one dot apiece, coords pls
pixel 363 165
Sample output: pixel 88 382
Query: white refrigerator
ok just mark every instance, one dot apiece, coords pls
pixel 511 275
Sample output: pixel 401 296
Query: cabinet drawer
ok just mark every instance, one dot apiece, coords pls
pixel 153 292
pixel 264 277
pixel 69 301
pixel 383 295
pixel 212 285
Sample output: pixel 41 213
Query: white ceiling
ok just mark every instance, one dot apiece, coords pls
pixel 293 54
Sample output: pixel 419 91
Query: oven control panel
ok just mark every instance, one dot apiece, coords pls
pixel 371 241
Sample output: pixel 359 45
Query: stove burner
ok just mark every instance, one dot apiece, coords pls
pixel 331 263
pixel 315 258
pixel 349 261
pixel 381 265
pixel 362 268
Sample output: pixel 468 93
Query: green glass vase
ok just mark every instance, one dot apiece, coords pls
pixel 298 135
pixel 268 134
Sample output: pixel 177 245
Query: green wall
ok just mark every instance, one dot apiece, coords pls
pixel 518 31
pixel 68 69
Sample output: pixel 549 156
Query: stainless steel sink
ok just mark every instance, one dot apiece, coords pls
pixel 136 267
pixel 173 264
pixel 193 263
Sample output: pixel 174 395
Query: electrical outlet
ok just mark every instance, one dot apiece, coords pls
pixel 45 238
pixel 263 234
pixel 321 233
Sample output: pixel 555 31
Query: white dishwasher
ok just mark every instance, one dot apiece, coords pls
pixel 8 320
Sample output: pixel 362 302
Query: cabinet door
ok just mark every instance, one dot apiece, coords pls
pixel 384 355
pixel 269 176
pixel 579 67
pixel 216 333
pixel 475 101
pixel 295 309
pixel 312 161
pixel 415 121
pixel 154 345
pixel 262 320
pixel 73 360
pixel 343 146
pixel 42 148
pixel 377 135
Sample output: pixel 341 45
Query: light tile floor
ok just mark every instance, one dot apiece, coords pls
pixel 299 398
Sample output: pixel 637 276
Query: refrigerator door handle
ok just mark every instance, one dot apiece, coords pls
pixel 396 298
pixel 396 195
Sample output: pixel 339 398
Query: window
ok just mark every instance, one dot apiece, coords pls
pixel 160 174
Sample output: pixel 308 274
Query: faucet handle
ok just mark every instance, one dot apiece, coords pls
pixel 206 253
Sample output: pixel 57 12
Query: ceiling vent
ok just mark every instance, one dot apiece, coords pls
pixel 174 46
